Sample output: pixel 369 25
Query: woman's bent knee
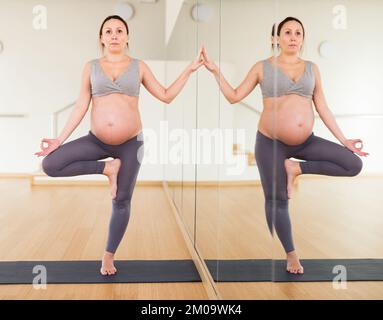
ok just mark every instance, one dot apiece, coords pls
pixel 49 166
pixel 356 167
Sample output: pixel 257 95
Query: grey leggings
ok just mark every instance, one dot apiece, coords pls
pixel 322 157
pixel 79 157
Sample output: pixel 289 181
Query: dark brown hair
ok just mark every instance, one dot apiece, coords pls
pixel 280 25
pixel 110 18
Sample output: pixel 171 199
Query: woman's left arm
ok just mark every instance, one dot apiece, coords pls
pixel 329 119
pixel 168 94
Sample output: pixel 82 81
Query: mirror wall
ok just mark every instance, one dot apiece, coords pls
pixel 334 214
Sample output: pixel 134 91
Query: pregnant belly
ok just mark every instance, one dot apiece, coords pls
pixel 291 123
pixel 115 124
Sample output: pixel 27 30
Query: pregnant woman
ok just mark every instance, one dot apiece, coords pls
pixel 289 85
pixel 113 84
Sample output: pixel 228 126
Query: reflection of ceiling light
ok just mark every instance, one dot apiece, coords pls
pixel 326 49
pixel 125 10
pixel 201 12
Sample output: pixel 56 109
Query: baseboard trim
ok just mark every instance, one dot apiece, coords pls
pixel 90 183
pixel 15 175
pixel 214 184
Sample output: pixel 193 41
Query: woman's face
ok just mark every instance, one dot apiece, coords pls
pixel 291 37
pixel 114 35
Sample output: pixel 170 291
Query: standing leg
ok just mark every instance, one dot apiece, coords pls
pixel 131 157
pixel 273 179
pixel 270 156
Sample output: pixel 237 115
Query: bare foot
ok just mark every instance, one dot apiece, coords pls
pixel 292 169
pixel 111 171
pixel 108 267
pixel 293 264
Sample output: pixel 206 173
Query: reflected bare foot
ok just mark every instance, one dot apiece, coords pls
pixel 293 264
pixel 293 170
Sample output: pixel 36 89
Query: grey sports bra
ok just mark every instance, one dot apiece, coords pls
pixel 127 83
pixel 283 84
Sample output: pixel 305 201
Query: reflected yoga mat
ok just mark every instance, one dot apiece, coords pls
pixel 314 270
pixel 27 272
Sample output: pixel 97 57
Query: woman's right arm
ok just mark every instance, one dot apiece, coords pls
pixel 243 90
pixel 81 107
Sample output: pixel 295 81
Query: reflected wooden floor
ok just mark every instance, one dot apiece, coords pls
pixel 71 222
pixel 332 217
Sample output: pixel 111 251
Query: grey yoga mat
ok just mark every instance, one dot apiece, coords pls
pixel 82 271
pixel 141 271
pixel 253 270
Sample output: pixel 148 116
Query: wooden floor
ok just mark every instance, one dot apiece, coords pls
pixel 71 222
